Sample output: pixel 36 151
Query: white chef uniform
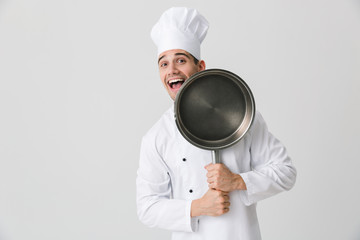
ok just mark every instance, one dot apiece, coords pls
pixel 171 174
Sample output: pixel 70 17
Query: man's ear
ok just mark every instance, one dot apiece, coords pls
pixel 202 65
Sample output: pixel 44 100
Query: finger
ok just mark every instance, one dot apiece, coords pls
pixel 213 173
pixel 209 174
pixel 214 184
pixel 226 198
pixel 210 166
pixel 218 166
pixel 214 187
pixel 222 168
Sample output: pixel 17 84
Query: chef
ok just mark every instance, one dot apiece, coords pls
pixel 178 188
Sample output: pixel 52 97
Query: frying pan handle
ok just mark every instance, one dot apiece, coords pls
pixel 215 156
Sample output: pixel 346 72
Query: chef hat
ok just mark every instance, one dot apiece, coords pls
pixel 180 28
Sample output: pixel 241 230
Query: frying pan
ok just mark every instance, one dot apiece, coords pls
pixel 214 109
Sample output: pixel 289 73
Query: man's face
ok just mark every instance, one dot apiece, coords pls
pixel 175 67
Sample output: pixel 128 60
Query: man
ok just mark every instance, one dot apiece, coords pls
pixel 178 188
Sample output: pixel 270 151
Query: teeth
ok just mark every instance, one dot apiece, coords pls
pixel 176 80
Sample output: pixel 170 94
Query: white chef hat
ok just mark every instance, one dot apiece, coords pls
pixel 180 28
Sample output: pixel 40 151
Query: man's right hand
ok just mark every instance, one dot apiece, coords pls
pixel 213 203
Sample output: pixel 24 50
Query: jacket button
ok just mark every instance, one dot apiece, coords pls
pixel 184 159
pixel 190 191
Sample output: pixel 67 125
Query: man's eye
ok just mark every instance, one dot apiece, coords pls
pixel 163 64
pixel 181 60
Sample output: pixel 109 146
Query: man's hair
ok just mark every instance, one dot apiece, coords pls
pixel 196 61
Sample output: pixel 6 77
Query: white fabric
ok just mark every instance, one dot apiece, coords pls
pixel 164 181
pixel 180 28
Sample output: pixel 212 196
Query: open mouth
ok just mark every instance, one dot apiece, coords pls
pixel 175 84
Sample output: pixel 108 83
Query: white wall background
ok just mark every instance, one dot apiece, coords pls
pixel 79 87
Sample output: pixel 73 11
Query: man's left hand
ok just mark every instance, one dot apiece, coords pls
pixel 221 178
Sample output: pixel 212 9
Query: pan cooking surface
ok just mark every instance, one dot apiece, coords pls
pixel 212 108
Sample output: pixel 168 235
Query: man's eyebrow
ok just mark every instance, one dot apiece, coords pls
pixel 161 58
pixel 184 54
pixel 176 54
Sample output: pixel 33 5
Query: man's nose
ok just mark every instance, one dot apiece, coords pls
pixel 172 69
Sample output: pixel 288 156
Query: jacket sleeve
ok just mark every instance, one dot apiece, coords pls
pixel 155 206
pixel 272 169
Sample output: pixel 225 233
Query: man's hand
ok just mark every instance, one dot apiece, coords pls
pixel 221 178
pixel 213 203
